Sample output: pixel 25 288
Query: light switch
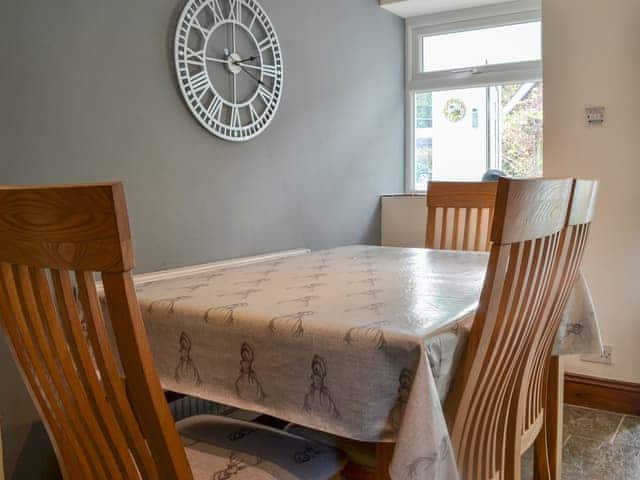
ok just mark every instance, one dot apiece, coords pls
pixel 595 116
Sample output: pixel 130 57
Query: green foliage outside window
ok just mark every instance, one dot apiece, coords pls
pixel 424 160
pixel 522 132
pixel 424 110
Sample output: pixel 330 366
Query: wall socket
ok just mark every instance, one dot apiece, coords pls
pixel 605 357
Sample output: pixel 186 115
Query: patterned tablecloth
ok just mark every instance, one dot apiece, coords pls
pixel 357 341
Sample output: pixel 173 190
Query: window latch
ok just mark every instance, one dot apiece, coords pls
pixel 470 71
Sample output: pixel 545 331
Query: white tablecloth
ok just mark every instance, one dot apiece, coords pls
pixel 357 341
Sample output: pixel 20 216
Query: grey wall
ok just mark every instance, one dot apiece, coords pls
pixel 87 93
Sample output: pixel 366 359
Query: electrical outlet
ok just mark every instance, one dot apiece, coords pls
pixel 605 357
pixel 595 115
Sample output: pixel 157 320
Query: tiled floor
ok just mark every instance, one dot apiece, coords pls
pixel 598 445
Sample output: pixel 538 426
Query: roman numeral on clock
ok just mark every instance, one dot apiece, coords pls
pixel 200 84
pixel 254 114
pixel 265 94
pixel 269 70
pixel 235 10
pixel 215 108
pixel 235 118
pixel 198 26
pixel 264 44
pixel 195 58
pixel 216 9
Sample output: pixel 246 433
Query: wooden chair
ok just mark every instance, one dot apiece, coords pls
pixel 459 215
pixel 104 426
pixel 496 407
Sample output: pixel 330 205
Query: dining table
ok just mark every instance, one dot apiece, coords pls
pixel 358 341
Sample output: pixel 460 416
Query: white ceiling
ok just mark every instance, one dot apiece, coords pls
pixel 413 8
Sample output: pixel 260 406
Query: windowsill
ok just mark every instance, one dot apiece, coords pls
pixel 410 194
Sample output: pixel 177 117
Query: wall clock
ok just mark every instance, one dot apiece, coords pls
pixel 229 66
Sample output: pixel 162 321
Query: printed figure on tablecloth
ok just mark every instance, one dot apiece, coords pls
pixel 404 389
pixel 292 321
pixel 309 453
pixel 435 357
pixel 371 332
pixel 429 466
pixel 248 386
pixel 236 464
pixel 171 303
pixel 571 330
pixel 319 399
pixel 186 371
pixel 226 311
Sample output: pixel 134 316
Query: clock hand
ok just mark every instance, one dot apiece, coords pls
pixel 219 60
pixel 260 82
pixel 235 89
pixel 233 34
pixel 250 59
pixel 246 65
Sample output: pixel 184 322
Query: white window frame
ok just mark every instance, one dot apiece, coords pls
pixel 512 13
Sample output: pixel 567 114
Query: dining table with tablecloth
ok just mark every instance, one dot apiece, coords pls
pixel 359 341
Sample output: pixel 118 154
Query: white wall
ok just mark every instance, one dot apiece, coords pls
pixel 592 57
pixel 404 220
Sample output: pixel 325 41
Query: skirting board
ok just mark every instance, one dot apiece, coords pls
pixel 142 278
pixel 601 393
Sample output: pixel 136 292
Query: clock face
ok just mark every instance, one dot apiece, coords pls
pixel 229 66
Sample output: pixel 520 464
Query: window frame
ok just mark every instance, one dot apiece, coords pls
pixel 512 13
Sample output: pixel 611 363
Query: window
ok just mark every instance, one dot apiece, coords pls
pixel 472 129
pixel 486 46
pixel 475 98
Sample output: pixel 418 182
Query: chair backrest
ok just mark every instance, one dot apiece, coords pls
pixel 495 408
pixel 459 215
pixel 52 240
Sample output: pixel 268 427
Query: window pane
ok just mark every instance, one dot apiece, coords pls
pixel 459 134
pixel 453 146
pixel 487 46
pixel 521 125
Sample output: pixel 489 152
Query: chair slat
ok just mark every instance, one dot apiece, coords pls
pixel 444 226
pixel 143 386
pixel 456 221
pixel 431 232
pixel 105 358
pixel 466 241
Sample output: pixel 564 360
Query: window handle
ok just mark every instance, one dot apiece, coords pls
pixel 471 71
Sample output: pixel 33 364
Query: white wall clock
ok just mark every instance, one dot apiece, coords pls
pixel 229 66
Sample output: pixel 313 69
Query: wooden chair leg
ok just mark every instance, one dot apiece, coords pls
pixel 384 454
pixel 541 469
pixel 553 420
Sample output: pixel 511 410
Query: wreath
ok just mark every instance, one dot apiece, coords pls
pixel 455 110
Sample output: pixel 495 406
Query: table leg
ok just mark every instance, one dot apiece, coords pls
pixel 555 403
pixel 384 454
